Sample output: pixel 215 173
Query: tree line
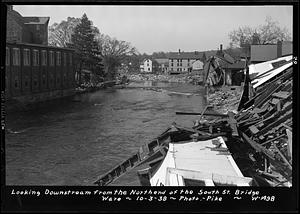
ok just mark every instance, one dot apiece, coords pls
pixel 94 51
pixel 102 54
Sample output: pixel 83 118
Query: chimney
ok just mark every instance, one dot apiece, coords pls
pixel 221 47
pixel 279 48
pixel 178 50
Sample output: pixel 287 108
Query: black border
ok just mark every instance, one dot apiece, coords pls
pixel 286 198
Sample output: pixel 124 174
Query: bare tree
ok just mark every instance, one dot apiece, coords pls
pixel 271 32
pixel 60 34
pixel 114 52
pixel 268 33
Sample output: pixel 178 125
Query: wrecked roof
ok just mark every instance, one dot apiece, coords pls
pixel 260 68
pixel 270 74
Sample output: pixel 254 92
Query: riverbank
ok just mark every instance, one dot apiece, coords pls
pixel 179 78
pixel 90 87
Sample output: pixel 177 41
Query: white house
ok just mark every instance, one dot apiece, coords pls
pixel 146 66
pixel 197 65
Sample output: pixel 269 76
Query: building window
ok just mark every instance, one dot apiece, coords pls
pixel 26 83
pixel 26 57
pixel 171 60
pixel 51 58
pixel 172 64
pixel 177 63
pixel 16 83
pixel 58 58
pixel 181 64
pixel 148 69
pixel 36 58
pixel 71 57
pixel 177 60
pixel 16 56
pixel 44 57
pixel 65 59
pixel 7 57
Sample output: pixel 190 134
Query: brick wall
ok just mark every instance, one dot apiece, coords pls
pixel 39 34
pixel 14 31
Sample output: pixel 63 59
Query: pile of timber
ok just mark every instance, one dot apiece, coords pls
pixel 265 123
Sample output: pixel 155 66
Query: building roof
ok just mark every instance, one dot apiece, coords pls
pixel 192 55
pixel 185 55
pixel 35 20
pixel 146 60
pixel 16 16
pixel 236 65
pixel 38 46
pixel 161 61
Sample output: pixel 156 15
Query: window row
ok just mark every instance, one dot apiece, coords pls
pixel 16 60
pixel 179 60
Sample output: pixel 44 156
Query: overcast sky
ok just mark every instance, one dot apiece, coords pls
pixel 167 28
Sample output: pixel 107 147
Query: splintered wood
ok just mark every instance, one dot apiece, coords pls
pixel 265 123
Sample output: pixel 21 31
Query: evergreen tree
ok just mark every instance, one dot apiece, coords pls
pixel 86 47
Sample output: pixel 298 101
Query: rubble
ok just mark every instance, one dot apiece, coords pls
pixel 180 78
pixel 225 99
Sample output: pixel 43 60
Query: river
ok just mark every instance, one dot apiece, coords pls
pixel 73 141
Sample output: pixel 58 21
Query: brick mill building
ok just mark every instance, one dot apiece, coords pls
pixel 35 71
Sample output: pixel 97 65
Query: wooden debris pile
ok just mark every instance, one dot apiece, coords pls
pixel 258 136
pixel 265 123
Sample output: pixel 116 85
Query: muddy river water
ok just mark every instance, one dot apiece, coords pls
pixel 73 141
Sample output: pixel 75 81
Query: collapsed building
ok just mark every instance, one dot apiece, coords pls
pixel 251 147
